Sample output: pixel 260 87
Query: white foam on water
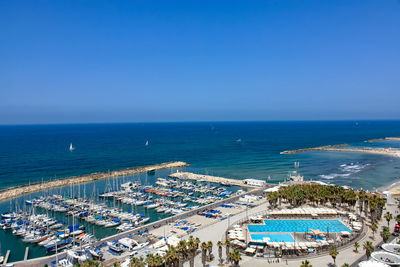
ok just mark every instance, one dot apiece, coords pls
pixel 347 169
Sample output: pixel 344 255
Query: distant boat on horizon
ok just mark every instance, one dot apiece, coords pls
pixel 71 148
pixel 147 143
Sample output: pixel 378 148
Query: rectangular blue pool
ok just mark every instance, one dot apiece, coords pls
pixel 299 226
pixel 273 237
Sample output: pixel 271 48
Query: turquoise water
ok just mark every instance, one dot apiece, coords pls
pixel 273 237
pixel 33 153
pixel 40 152
pixel 299 226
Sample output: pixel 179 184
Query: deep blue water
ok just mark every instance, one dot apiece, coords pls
pixel 33 153
pixel 40 152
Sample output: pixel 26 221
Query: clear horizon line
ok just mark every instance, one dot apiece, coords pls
pixel 198 121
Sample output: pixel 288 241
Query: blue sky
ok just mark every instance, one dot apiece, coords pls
pixel 122 61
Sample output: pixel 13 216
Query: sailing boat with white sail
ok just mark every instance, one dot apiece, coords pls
pixel 71 147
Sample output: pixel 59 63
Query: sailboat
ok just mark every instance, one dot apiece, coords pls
pixel 147 143
pixel 71 148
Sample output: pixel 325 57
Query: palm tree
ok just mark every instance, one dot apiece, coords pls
pixel 203 253
pixel 374 227
pixel 219 244
pixel 192 247
pixel 90 263
pixel 182 252
pixel 136 262
pixel 171 257
pixel 333 252
pixel 209 248
pixel 227 246
pixel 385 234
pixel 346 265
pixel 151 260
pixel 369 248
pixel 388 217
pixel 235 257
pixel 305 263
pixel 356 246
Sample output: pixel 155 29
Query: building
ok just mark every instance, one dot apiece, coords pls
pixel 255 182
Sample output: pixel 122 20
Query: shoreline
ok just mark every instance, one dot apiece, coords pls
pixel 17 191
pixel 393 189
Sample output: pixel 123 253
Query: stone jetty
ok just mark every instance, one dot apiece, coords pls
pixel 340 148
pixel 397 138
pixel 17 191
pixel 313 149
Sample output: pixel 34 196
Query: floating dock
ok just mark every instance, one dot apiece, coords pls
pixel 17 191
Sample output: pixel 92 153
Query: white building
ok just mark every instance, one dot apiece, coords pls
pixel 255 182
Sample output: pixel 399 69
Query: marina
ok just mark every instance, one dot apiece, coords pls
pixel 16 191
pixel 60 218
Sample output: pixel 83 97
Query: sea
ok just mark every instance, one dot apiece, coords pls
pixel 239 150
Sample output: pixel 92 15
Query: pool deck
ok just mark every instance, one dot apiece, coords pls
pixel 347 254
pixel 332 228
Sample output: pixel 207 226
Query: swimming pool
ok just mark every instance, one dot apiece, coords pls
pixel 299 226
pixel 273 237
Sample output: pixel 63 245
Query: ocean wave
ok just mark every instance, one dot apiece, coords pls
pixel 347 169
pixel 334 175
pixel 353 167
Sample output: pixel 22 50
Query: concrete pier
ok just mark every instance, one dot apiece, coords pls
pixel 26 253
pixel 208 178
pixel 17 191
pixel 6 257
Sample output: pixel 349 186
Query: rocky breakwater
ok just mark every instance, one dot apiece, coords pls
pixel 313 149
pixel 17 191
